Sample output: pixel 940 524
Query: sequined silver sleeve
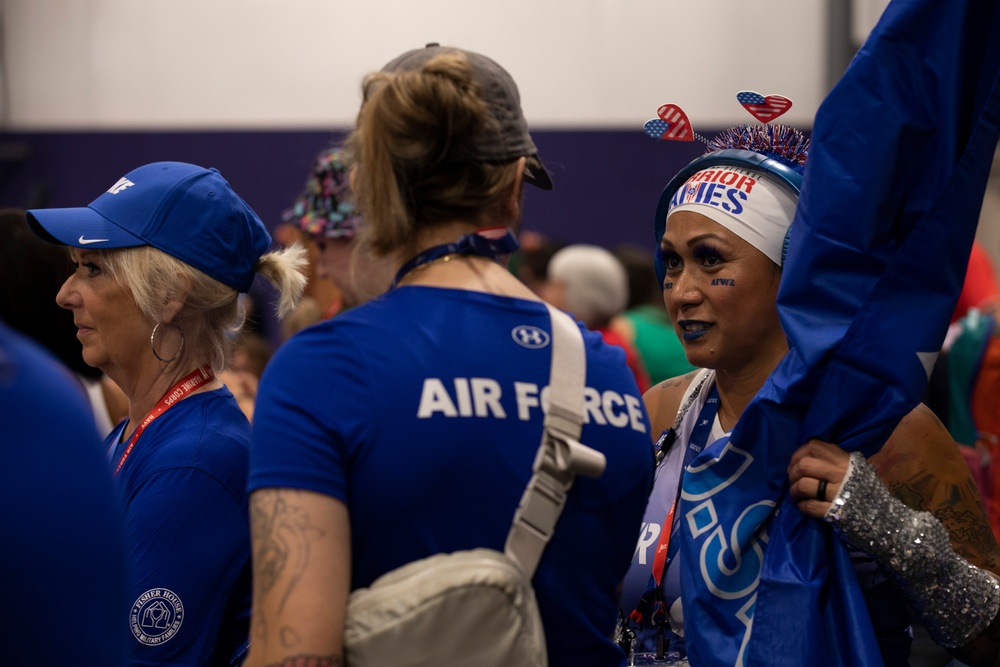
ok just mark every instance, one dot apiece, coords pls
pixel 953 599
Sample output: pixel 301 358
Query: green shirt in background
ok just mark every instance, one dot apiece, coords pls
pixel 661 351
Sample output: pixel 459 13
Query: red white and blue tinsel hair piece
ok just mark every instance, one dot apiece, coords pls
pixel 778 152
pixel 780 142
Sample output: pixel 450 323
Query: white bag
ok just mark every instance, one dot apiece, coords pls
pixel 477 608
pixel 473 608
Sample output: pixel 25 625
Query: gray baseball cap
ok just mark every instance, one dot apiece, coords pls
pixel 509 138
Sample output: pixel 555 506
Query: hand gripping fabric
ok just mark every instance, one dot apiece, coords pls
pixel 477 608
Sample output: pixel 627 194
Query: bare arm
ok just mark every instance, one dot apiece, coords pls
pixel 301 566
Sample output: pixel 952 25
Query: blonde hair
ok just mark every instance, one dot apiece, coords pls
pixel 412 154
pixel 211 311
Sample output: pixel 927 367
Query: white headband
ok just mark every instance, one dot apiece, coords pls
pixel 743 201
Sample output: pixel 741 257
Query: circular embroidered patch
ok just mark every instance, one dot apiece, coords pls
pixel 156 616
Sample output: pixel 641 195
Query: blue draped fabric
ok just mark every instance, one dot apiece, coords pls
pixel 900 156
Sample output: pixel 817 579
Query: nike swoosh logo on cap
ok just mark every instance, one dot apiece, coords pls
pixel 83 241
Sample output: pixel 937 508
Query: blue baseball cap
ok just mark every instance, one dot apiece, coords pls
pixel 184 210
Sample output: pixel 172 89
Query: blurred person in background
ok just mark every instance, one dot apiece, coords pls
pixel 589 282
pixel 325 219
pixel 531 261
pixel 980 289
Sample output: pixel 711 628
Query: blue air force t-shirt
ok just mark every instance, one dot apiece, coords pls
pixel 422 412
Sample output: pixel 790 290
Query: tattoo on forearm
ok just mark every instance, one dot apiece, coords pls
pixel 289 637
pixel 309 661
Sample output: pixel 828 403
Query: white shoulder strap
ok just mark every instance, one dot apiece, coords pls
pixel 560 456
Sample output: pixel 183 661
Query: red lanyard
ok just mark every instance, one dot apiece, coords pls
pixel 660 557
pixel 187 385
pixel 697 442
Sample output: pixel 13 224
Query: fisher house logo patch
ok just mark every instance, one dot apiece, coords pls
pixel 156 616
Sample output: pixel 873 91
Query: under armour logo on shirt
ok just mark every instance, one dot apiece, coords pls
pixel 530 337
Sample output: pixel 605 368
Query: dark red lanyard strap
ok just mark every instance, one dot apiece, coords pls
pixel 188 384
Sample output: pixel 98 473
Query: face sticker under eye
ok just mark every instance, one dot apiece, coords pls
pixel 725 282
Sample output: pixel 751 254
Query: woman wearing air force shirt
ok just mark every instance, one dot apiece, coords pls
pixel 407 426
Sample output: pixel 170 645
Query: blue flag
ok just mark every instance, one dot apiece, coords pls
pixel 901 152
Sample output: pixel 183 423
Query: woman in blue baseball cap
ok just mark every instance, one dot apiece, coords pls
pixel 407 426
pixel 159 261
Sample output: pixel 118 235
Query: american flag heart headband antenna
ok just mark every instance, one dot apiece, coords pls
pixel 672 124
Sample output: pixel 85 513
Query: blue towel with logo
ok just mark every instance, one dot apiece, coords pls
pixel 901 152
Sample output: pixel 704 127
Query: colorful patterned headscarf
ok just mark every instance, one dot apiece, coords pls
pixel 325 207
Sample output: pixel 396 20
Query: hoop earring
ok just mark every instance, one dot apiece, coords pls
pixel 152 342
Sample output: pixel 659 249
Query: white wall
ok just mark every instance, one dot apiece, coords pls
pixel 117 64
pixel 249 64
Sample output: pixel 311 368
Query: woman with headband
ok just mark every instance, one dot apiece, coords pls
pixel 407 426
pixel 723 233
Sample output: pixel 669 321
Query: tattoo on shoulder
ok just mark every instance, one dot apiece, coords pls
pixel 924 410
pixel 309 661
pixel 960 509
pixel 680 380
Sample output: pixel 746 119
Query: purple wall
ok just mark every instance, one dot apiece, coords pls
pixel 606 183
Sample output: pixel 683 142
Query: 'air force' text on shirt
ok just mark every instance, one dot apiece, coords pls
pixel 484 397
